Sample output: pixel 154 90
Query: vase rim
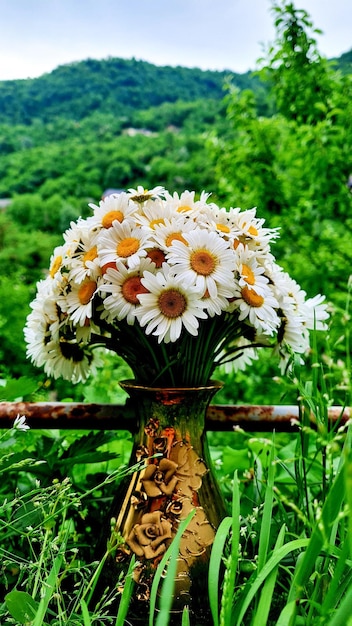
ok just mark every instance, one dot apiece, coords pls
pixel 213 384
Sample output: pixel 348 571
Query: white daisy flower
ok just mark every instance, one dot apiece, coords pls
pixel 78 302
pixel 250 273
pixel 169 306
pixel 259 309
pixel 57 260
pixel 245 355
pixel 68 360
pixel 152 214
pixel 217 304
pixel 185 203
pixel 77 232
pixel 251 232
pixel 43 322
pixel 315 313
pixel 141 195
pixel 124 286
pixel 123 242
pixel 207 261
pixel 114 207
pixel 220 220
pixel 172 230
pixel 82 259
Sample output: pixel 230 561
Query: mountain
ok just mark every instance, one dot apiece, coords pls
pixel 344 62
pixel 113 85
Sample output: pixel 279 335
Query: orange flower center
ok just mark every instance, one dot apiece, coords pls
pixel 177 236
pixel 131 288
pixel 127 246
pixel 203 262
pixel 110 217
pixel 86 291
pixel 248 274
pixel 157 256
pixel 90 255
pixel 56 264
pixel 172 303
pixel 107 265
pixel 252 297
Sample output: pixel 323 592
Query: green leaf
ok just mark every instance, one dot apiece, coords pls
pixel 17 388
pixel 21 606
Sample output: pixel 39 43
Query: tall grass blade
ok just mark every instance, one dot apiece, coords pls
pixel 85 613
pixel 126 594
pixel 257 580
pixel 229 583
pixel 287 615
pixel 264 537
pixel 343 615
pixel 214 567
pixel 336 588
pixel 330 510
pixel 185 617
pixel 266 595
pixel 166 597
pixel 49 587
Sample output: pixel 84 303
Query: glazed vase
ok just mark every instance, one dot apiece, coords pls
pixel 176 478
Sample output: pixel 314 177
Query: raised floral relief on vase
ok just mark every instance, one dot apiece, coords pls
pixel 176 479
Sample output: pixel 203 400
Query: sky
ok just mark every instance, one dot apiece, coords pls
pixel 36 36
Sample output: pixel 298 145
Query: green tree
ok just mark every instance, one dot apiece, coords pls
pixel 299 77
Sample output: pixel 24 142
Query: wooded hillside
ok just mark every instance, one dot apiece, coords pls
pixel 114 85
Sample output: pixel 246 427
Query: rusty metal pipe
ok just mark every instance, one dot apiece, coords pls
pixel 74 415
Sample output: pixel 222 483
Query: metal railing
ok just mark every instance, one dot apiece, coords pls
pixel 220 417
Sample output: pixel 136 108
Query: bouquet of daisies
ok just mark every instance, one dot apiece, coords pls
pixel 174 285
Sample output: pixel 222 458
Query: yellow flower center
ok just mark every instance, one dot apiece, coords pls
pixel 142 197
pixel 86 291
pixel 131 288
pixel 157 256
pixel 253 231
pixel 172 303
pixel 184 208
pixel 110 217
pixel 248 274
pixel 252 297
pixel 90 255
pixel 128 246
pixel 223 228
pixel 55 266
pixel 156 222
pixel 175 237
pixel 203 262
